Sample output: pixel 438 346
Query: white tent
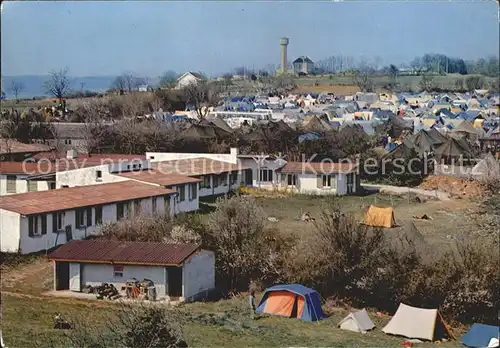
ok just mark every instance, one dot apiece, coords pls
pixel 412 322
pixel 358 322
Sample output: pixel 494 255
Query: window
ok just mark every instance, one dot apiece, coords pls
pixel 32 186
pixel 166 203
pixel 89 216
pixel 292 179
pixel 151 157
pixel 153 207
pixel 118 271
pixel 37 225
pixel 33 225
pixel 137 206
pixel 193 191
pixel 206 182
pixel 43 224
pixel 223 179
pixel 266 175
pixel 233 178
pixel 64 186
pixel 120 211
pixel 52 185
pixel 98 215
pixel 327 181
pixel 182 192
pixel 98 174
pixel 216 180
pixel 57 221
pixel 79 218
pixel 11 183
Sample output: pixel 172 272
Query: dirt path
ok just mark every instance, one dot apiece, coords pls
pixel 443 196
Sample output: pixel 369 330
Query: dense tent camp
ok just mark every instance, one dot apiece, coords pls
pixel 424 142
pixel 413 322
pixel 452 149
pixel 292 301
pixel 218 122
pixel 465 127
pixel 358 322
pixel 380 217
pixel 403 150
pixel 398 125
pixel 438 137
pixel 481 335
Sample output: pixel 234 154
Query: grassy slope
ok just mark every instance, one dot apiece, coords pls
pixel 28 322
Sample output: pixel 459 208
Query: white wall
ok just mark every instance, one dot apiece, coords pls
pixel 186 205
pixel 20 230
pixel 198 274
pixel 21 185
pixel 9 230
pixel 86 176
pixel 75 281
pixel 186 81
pixel 95 274
pixel 254 166
pixel 232 157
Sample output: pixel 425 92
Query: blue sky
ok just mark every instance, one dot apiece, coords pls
pixel 147 38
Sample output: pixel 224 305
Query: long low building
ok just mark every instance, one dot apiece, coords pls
pixel 178 271
pixel 34 221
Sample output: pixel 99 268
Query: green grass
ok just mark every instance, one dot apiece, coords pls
pixel 27 322
pixel 444 82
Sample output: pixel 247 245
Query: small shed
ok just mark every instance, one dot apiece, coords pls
pixel 183 271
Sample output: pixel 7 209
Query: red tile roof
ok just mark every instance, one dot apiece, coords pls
pixel 13 146
pixel 52 155
pixel 196 166
pixel 318 168
pixel 156 177
pixel 81 196
pixel 106 251
pixel 44 167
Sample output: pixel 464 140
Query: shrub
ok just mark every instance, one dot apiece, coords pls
pixel 139 229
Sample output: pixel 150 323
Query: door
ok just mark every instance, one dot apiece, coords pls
pixel 174 281
pixel 75 277
pixel 62 275
pixel 69 234
pixel 248 177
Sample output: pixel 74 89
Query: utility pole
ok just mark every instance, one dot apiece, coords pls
pixel 81 86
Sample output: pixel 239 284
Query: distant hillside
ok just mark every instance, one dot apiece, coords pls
pixel 33 84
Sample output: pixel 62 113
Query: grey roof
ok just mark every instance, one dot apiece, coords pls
pixel 303 59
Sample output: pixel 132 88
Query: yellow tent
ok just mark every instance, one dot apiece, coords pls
pixel 380 217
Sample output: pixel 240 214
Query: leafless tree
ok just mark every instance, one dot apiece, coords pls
pixel 58 85
pixel 361 78
pixel 94 129
pixel 16 88
pixel 202 95
pixel 120 84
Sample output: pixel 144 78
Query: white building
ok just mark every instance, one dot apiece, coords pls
pixel 15 177
pixel 34 221
pixel 302 177
pixel 178 271
pixel 189 78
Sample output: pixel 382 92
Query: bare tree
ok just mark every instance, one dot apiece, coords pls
pixel 202 95
pixel 94 129
pixel 120 84
pixel 168 79
pixel 16 88
pixel 361 78
pixel 58 86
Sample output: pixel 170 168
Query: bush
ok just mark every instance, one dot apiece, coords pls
pixel 140 229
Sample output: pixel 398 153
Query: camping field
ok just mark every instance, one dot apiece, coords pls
pixel 28 313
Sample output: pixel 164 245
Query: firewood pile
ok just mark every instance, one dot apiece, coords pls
pixel 106 291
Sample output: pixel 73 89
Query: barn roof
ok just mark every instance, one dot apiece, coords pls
pixel 115 252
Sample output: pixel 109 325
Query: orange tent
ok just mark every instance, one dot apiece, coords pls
pixel 380 217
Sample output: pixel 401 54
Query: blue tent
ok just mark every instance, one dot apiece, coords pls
pixel 292 301
pixel 479 335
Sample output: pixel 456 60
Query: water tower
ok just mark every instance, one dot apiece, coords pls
pixel 284 44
